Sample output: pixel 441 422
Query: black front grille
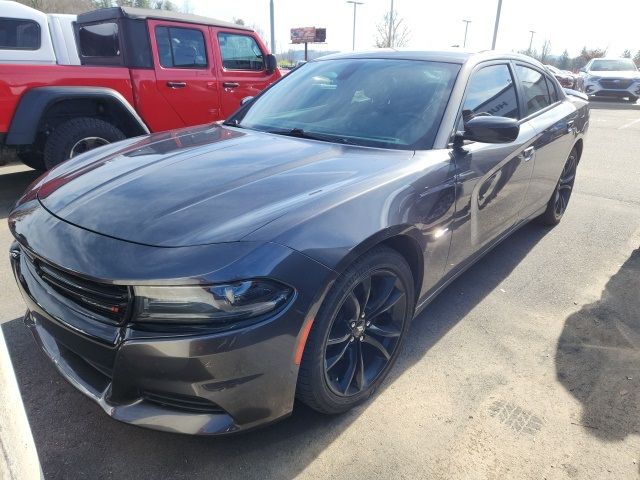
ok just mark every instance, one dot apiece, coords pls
pixel 182 402
pixel 616 83
pixel 109 302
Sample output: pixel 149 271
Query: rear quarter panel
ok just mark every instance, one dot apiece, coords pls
pixel 15 80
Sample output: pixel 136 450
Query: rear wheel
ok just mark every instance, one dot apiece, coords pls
pixel 357 334
pixel 560 199
pixel 77 136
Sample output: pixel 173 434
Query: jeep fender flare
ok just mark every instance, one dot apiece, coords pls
pixel 35 103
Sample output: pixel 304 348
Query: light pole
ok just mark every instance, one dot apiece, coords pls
pixel 531 40
pixel 273 33
pixel 391 25
pixel 495 28
pixel 355 5
pixel 466 27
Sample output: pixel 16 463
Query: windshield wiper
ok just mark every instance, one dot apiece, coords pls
pixel 300 133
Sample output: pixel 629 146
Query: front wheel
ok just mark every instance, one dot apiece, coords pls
pixel 77 136
pixel 357 334
pixel 560 199
pixel 632 99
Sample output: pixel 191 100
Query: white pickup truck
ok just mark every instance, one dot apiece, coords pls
pixel 29 36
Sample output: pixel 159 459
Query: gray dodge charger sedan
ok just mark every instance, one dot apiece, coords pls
pixel 199 280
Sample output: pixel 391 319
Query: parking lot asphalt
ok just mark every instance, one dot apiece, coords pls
pixel 527 366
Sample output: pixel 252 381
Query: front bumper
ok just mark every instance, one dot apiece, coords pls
pixel 195 383
pixel 596 89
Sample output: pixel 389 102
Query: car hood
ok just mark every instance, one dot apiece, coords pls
pixel 203 185
pixel 614 74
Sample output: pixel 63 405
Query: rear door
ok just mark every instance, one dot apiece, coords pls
pixel 241 67
pixel 552 117
pixel 185 72
pixel 491 179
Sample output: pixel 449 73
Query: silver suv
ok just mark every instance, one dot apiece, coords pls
pixel 611 77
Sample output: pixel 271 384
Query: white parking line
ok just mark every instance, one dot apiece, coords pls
pixel 627 125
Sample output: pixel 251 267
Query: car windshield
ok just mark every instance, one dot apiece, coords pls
pixel 370 102
pixel 621 65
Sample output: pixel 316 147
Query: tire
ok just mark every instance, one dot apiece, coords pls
pixel 557 205
pixel 632 99
pixel 66 141
pixel 32 159
pixel 388 271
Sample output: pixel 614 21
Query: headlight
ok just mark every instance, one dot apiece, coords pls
pixel 212 304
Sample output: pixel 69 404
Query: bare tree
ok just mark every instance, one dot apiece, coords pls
pixel 544 53
pixel 399 32
pixel 626 54
pixel 636 59
pixel 60 6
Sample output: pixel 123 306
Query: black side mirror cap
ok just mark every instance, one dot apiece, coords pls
pixel 271 63
pixel 488 129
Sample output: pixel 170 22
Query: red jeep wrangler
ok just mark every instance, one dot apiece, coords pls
pixel 142 71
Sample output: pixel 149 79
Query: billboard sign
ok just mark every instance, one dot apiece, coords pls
pixel 308 35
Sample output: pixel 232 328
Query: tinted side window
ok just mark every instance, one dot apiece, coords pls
pixel 491 92
pixel 240 52
pixel 100 40
pixel 17 34
pixel 534 86
pixel 181 47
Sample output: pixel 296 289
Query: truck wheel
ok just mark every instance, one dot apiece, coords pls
pixel 32 159
pixel 77 136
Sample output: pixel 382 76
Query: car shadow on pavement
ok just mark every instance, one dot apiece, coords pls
pixel 11 187
pixel 598 356
pixel 76 439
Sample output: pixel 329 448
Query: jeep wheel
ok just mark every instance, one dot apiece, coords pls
pixel 77 136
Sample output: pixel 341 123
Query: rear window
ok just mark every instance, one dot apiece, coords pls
pixel 18 34
pixel 534 86
pixel 100 40
pixel 181 47
pixel 240 52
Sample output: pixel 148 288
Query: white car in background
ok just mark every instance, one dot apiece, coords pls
pixel 611 77
pixel 29 36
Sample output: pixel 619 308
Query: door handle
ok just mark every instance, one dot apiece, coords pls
pixel 175 85
pixel 528 153
pixel 230 84
pixel 570 126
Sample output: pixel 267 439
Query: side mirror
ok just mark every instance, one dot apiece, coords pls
pixel 271 63
pixel 487 129
pixel 246 100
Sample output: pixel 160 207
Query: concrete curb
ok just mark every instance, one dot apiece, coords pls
pixel 18 455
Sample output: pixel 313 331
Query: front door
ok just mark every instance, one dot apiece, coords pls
pixel 185 75
pixel 491 179
pixel 242 72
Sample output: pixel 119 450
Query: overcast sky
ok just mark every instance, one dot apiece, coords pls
pixel 438 23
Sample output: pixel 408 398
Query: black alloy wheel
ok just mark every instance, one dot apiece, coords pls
pixel 357 333
pixel 365 332
pixel 560 199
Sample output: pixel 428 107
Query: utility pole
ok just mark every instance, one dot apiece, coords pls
pixel 391 25
pixel 273 32
pixel 531 40
pixel 466 27
pixel 495 28
pixel 355 4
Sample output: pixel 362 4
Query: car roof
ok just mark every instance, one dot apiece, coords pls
pixel 456 55
pixel 144 13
